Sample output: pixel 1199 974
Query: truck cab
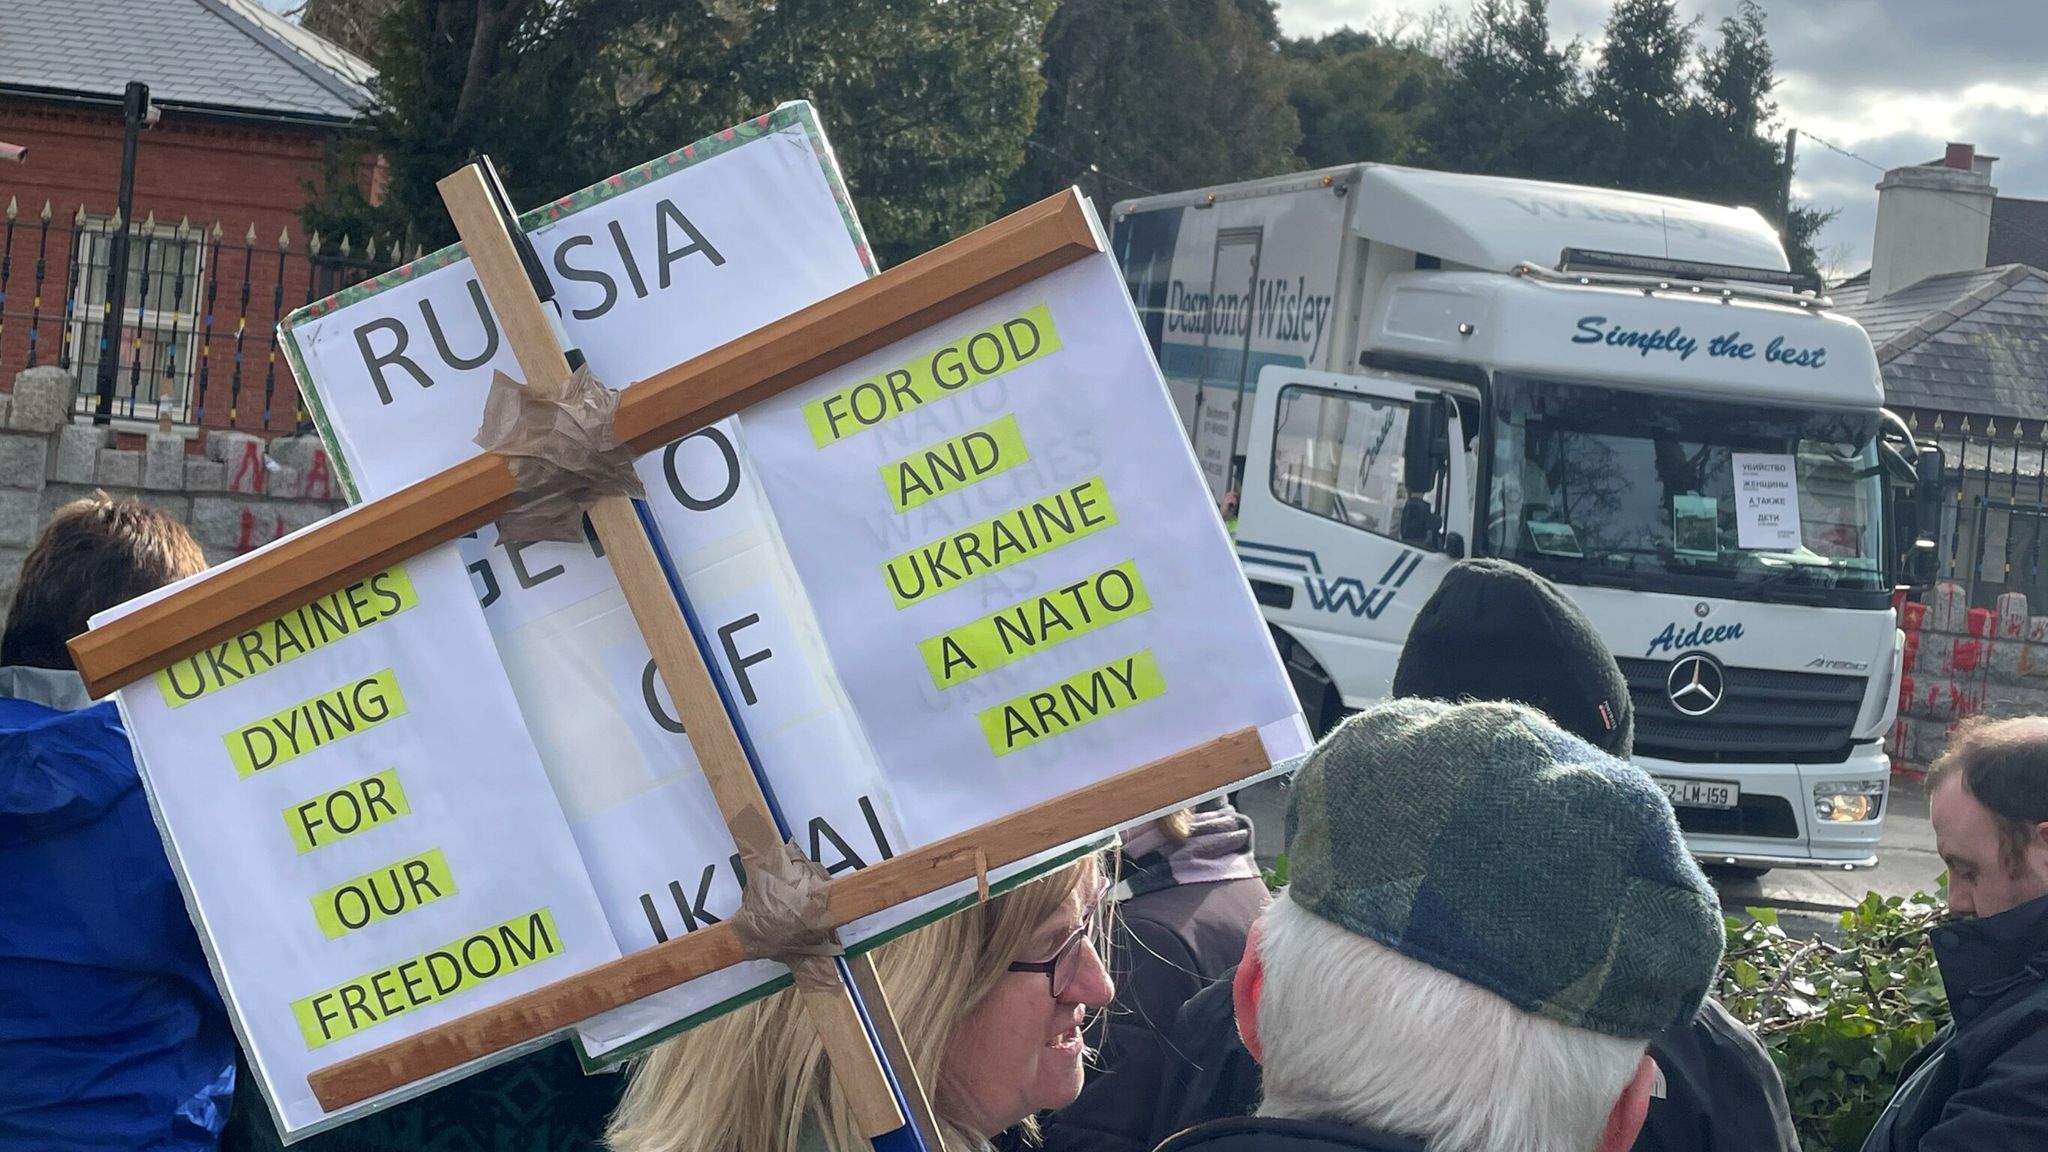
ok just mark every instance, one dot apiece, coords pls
pixel 1631 395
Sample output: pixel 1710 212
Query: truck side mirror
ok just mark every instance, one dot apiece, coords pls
pixel 1929 481
pixel 1921 563
pixel 1418 523
pixel 1424 451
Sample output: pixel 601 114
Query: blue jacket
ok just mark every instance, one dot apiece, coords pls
pixel 112 1034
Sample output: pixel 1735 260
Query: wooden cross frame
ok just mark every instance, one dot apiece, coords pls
pixel 652 413
pixel 524 320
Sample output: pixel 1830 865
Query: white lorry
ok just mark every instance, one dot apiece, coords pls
pixel 1383 370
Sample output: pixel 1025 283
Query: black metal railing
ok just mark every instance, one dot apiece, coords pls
pixel 1993 534
pixel 197 336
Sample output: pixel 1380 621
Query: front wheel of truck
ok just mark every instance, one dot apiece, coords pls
pixel 1321 704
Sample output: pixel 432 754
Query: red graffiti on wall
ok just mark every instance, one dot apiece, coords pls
pixel 319 481
pixel 250 536
pixel 247 472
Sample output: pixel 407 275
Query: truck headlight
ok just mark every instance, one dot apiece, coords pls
pixel 1848 801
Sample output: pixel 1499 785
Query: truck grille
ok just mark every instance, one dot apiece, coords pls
pixel 1764 716
pixel 1768 816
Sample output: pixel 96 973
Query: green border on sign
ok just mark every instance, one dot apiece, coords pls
pixel 797 113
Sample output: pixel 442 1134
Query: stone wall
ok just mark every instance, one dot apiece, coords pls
pixel 239 492
pixel 1963 661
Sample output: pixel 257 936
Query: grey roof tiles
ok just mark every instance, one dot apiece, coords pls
pixel 1973 342
pixel 230 55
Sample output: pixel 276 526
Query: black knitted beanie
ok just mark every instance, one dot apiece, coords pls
pixel 1497 631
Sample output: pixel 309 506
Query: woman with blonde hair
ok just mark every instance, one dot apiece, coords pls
pixel 991 1002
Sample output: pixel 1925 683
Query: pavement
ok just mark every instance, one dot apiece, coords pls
pixel 1906 859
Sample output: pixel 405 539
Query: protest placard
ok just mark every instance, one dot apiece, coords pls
pixel 1766 500
pixel 1103 791
pixel 1153 491
pixel 316 776
pixel 652 267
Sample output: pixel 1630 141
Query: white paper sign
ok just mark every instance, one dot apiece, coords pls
pixel 1000 525
pixel 671 266
pixel 698 250
pixel 364 832
pixel 1766 501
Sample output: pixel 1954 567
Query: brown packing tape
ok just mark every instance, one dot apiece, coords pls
pixel 812 974
pixel 785 911
pixel 562 452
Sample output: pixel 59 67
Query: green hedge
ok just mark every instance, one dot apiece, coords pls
pixel 1840 1020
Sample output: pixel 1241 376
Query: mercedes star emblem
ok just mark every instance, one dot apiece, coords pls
pixel 1695 684
pixel 1702 609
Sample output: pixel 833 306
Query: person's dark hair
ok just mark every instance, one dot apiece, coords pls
pixel 2003 764
pixel 93 554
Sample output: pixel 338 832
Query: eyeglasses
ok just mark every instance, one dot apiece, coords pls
pixel 1066 963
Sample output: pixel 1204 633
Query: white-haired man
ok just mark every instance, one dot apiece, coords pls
pixel 1488 920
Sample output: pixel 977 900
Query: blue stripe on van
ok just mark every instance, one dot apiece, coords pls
pixel 1225 366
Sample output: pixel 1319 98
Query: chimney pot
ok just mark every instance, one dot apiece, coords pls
pixel 1962 157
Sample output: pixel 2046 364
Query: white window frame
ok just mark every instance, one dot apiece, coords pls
pixel 157 317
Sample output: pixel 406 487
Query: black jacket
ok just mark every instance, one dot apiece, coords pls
pixel 1264 1134
pixel 1167 944
pixel 1722 1093
pixel 1208 1075
pixel 1982 1083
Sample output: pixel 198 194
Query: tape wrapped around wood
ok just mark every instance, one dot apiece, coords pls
pixel 562 451
pixel 785 911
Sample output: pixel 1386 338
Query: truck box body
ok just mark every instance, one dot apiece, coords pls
pixel 1628 397
pixel 1227 289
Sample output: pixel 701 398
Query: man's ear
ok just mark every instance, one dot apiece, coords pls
pixel 1625 1123
pixel 1244 991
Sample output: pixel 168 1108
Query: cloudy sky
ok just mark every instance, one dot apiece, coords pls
pixel 1889 80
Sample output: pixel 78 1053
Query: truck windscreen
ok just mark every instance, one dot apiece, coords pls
pixel 1600 485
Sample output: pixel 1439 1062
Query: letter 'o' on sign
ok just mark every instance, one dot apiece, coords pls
pixel 339 813
pixel 384 893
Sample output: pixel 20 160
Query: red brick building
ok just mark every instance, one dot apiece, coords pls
pixel 253 111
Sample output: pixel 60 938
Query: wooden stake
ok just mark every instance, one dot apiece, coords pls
pixel 652 413
pixel 1113 803
pixel 524 321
